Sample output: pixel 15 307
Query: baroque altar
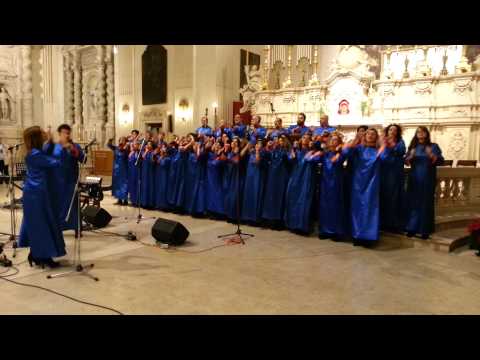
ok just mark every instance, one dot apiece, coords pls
pixel 434 86
pixel 89 91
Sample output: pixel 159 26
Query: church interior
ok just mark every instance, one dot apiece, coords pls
pixel 105 91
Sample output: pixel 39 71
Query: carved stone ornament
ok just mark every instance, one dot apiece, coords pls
pixel 289 99
pixel 265 100
pixel 153 114
pixel 462 84
pixel 457 144
pixel 423 87
pixel 388 90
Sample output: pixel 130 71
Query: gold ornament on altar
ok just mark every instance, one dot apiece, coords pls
pixel 288 83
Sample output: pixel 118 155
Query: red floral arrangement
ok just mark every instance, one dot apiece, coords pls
pixel 474 229
pixel 474 226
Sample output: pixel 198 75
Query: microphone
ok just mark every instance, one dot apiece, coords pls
pixel 15 146
pixel 140 152
pixel 94 141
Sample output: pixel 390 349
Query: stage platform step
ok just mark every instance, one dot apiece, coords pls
pixel 445 240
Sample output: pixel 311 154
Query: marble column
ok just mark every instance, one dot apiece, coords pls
pixel 101 111
pixel 46 82
pixel 110 124
pixel 67 68
pixel 77 94
pixel 27 95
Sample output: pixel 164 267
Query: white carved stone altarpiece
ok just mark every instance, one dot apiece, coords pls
pixel 16 99
pixel 432 86
pixel 89 91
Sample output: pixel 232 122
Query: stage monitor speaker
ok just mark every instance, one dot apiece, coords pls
pixel 169 232
pixel 96 216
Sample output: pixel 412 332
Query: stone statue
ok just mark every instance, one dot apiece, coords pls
pixel 5 104
pixel 254 84
pixel 94 100
pixel 354 58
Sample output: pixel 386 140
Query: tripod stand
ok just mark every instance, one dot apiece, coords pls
pixel 11 194
pixel 78 268
pixel 238 233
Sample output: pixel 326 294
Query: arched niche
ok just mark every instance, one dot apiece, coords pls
pixel 154 75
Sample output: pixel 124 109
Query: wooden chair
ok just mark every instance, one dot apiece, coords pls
pixel 469 163
pixel 447 163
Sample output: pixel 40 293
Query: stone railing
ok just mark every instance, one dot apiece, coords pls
pixel 458 190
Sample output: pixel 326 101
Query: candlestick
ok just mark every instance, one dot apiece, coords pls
pixel 444 69
pixel 266 67
pixel 288 82
pixel 406 74
pixel 314 80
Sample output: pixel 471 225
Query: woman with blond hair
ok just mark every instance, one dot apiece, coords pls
pixel 40 229
pixel 365 189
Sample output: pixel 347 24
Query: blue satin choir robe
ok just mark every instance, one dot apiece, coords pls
pixel 320 130
pixel 215 191
pixel 162 183
pixel 204 130
pixel 276 185
pixel 276 133
pixel 421 184
pixel 254 187
pixel 365 193
pixel 198 170
pixel 177 179
pixel 233 187
pixel 119 173
pixel 331 205
pixel 239 130
pixel 62 181
pixel 300 193
pixel 392 188
pixel 218 133
pixel 257 134
pixel 133 177
pixel 147 181
pixel 40 228
pixel 303 130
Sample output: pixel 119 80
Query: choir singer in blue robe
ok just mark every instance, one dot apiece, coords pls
pixel 40 229
pixel 147 172
pixel 64 178
pixel 276 183
pixel 133 173
pixel 365 191
pixel 331 214
pixel 392 187
pixel 162 178
pixel 423 157
pixel 254 183
pixel 301 187
pixel 120 170
pixel 215 194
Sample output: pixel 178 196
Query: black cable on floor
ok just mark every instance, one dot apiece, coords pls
pixel 156 246
pixel 57 293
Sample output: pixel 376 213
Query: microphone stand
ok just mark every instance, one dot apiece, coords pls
pixel 11 191
pixel 238 233
pixel 78 268
pixel 139 165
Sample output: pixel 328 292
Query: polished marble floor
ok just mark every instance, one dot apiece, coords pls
pixel 273 273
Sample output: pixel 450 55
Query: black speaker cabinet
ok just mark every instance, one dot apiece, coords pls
pixel 96 216
pixel 169 232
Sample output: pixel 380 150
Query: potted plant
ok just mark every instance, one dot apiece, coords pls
pixel 474 230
